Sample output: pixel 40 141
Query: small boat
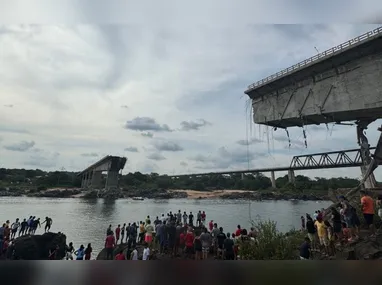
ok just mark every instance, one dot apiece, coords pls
pixel 138 199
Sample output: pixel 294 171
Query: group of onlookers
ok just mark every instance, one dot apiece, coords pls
pixel 338 225
pixel 175 235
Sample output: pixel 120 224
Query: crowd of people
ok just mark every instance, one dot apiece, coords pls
pixel 338 225
pixel 9 231
pixel 175 235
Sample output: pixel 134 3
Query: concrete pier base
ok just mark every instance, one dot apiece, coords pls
pixel 291 177
pixel 97 180
pixel 111 180
pixel 273 179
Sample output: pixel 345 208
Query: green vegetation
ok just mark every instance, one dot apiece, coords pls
pixel 271 244
pixel 41 180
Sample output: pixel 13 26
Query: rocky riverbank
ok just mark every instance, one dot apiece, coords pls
pixel 163 194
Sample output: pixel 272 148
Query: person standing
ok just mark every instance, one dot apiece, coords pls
pixel 149 229
pixel 203 218
pixel 88 251
pixel 15 227
pixel 123 232
pixel 206 240
pixel 311 230
pixel 185 217
pixel 69 249
pixel 80 253
pixel 109 245
pixel 146 252
pixel 117 233
pixel 367 205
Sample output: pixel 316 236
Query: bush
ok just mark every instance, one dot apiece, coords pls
pixel 271 244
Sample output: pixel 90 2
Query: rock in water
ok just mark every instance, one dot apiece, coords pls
pixel 36 247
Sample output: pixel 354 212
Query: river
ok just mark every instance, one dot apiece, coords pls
pixel 85 221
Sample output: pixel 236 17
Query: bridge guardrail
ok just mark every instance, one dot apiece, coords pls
pixel 319 56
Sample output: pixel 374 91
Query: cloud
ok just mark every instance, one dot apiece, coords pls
pixel 21 146
pixel 225 158
pixel 7 129
pixel 167 146
pixel 89 154
pixel 146 124
pixel 183 163
pixel 156 156
pixel 70 97
pixel 147 134
pixel 125 106
pixel 193 126
pixel 8 106
pixel 131 149
pixel 249 142
pixel 44 160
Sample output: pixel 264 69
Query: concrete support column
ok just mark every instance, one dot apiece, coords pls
pixel 111 180
pixel 242 176
pixel 96 180
pixel 291 176
pixel 83 181
pixel 273 179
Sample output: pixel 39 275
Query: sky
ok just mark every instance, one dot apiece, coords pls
pixel 165 90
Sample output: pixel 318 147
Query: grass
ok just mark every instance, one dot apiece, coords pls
pixel 271 244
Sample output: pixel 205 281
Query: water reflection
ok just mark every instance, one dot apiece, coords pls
pixel 108 208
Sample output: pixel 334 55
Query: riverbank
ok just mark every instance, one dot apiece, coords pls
pixel 167 194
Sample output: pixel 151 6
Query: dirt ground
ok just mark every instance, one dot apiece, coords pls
pixel 193 194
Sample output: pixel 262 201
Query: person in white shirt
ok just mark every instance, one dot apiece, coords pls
pixel 146 253
pixel 134 254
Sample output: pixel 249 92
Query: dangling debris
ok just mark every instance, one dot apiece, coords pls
pixel 290 144
pixel 304 133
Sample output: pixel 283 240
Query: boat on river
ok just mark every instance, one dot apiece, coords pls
pixel 138 198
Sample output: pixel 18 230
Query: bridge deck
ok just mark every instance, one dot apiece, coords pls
pixel 354 48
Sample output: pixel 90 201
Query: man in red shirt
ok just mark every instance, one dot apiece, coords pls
pixel 117 233
pixel 238 231
pixel 120 256
pixel 211 225
pixel 109 245
pixel 189 241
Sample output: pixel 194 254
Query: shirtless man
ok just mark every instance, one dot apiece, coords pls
pixel 48 223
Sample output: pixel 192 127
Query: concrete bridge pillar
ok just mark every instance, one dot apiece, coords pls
pixel 273 179
pixel 96 180
pixel 242 176
pixel 291 177
pixel 111 180
pixel 85 181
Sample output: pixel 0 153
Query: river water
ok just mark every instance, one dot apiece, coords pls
pixel 85 221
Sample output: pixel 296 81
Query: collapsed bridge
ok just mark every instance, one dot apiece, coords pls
pixel 339 85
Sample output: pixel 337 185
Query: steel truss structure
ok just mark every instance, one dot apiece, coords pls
pixel 334 159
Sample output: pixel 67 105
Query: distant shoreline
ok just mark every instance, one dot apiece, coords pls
pixel 169 194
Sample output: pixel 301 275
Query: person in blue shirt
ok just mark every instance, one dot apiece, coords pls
pixel 80 253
